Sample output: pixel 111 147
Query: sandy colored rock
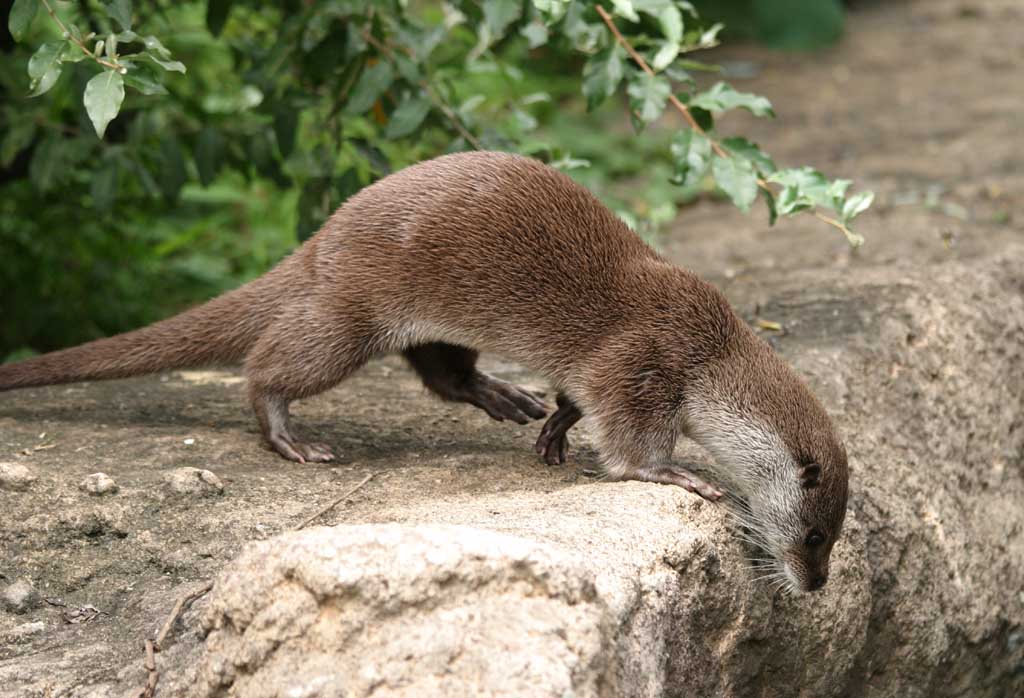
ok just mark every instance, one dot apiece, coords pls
pixel 15 477
pixel 461 571
pixel 20 596
pixel 98 484
pixel 193 481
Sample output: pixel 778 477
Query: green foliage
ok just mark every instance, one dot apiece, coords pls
pixel 138 165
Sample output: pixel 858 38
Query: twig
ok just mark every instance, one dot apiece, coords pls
pixel 77 41
pixel 149 689
pixel 336 502
pixel 176 611
pixel 639 60
pixel 154 646
pixel 685 111
pixel 431 93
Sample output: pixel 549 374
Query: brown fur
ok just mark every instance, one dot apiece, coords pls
pixel 497 253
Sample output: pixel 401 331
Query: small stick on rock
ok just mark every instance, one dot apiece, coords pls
pixel 152 647
pixel 176 611
pixel 150 688
pixel 336 502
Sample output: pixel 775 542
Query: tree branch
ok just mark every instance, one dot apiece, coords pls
pixel 685 111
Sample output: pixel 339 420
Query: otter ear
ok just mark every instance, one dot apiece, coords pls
pixel 810 475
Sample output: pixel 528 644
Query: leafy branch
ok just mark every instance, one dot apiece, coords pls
pixel 78 42
pixel 802 189
pixel 104 93
pixel 327 99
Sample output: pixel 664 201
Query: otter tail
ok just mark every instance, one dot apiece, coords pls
pixel 220 331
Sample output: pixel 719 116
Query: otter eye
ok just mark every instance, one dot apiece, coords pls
pixel 814 539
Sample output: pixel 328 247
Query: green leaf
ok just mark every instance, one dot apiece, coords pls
pixel 791 201
pixel 624 8
pixel 722 97
pixel 103 96
pixel 750 151
pixel 671 21
pixel 121 12
pixel 159 54
pixel 153 44
pixel 837 191
pixel 172 174
pixel 855 205
pixel 665 55
pixel 103 186
pixel 408 69
pixel 709 37
pixel 21 16
pixel 498 14
pixel 407 117
pixel 174 66
pixel 143 83
pixel 736 177
pixel 691 155
pixel 703 117
pixel 45 59
pixel 18 137
pixel 264 159
pixel 44 67
pixel 217 12
pixel 647 96
pixel 209 154
pixel 371 85
pixel 602 75
pixel 554 9
pixel 809 185
pixel 536 33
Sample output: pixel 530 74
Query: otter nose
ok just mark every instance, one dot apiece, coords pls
pixel 816 582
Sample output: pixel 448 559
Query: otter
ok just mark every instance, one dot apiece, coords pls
pixel 493 252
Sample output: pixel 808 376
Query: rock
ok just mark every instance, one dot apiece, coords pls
pixel 95 522
pixel 15 477
pixel 194 482
pixel 528 620
pixel 25 630
pixel 98 484
pixel 594 589
pixel 626 589
pixel 20 596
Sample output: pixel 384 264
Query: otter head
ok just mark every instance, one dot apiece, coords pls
pixel 796 517
pixel 788 506
pixel 779 460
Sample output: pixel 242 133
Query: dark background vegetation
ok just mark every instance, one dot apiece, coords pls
pixel 197 190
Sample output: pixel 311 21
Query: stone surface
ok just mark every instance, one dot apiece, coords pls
pixel 15 477
pixel 193 481
pixel 631 590
pixel 98 484
pixel 462 570
pixel 20 596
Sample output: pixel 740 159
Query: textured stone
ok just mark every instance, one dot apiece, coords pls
pixel 15 477
pixel 98 484
pixel 193 482
pixel 20 596
pixel 631 590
